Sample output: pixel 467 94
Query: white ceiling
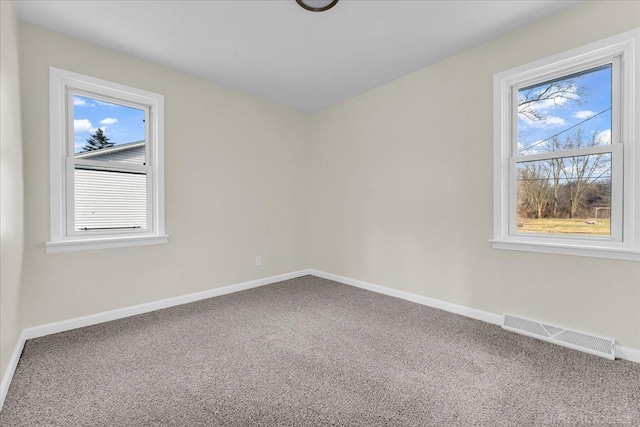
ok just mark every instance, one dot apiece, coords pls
pixel 276 50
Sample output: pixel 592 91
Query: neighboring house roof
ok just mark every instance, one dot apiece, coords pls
pixel 111 150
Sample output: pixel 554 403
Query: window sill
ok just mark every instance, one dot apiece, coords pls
pixel 104 243
pixel 568 249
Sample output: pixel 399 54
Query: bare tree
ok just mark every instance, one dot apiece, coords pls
pixel 534 179
pixel 533 104
pixel 580 172
pixel 554 93
pixel 543 183
pixel 555 171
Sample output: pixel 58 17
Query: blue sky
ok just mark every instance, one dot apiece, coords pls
pixel 560 116
pixel 121 124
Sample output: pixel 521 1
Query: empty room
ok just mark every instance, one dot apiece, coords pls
pixel 320 213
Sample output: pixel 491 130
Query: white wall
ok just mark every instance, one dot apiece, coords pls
pixel 376 188
pixel 11 185
pixel 233 189
pixel 401 188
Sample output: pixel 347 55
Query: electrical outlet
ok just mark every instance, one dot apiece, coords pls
pixel 258 260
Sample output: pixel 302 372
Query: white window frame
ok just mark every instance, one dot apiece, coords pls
pixel 63 85
pixel 624 242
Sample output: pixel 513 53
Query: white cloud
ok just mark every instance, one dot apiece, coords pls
pixel 604 137
pixel 83 125
pixel 536 147
pixel 553 121
pixel 79 102
pixel 547 122
pixel 584 114
pixel 108 121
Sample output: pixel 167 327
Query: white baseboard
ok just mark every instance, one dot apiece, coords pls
pixel 79 322
pixel 625 353
pixel 473 313
pixel 11 369
pixel 93 319
pixel 630 354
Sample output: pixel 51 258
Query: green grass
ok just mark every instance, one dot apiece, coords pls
pixel 602 227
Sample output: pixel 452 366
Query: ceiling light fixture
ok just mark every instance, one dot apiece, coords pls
pixel 317 5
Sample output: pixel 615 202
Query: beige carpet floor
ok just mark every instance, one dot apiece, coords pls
pixel 311 352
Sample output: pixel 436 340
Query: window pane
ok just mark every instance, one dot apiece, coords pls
pixel 108 132
pixel 571 112
pixel 109 200
pixel 569 195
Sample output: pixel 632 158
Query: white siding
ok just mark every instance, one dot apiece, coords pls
pixel 106 199
pixel 131 155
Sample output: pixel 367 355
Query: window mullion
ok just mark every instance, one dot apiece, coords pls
pixel 617 191
pixel 148 149
pixel 600 149
pixel 524 82
pixel 69 168
pixel 513 195
pixel 513 148
pixel 109 99
pixel 616 102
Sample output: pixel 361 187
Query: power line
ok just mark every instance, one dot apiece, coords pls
pixel 568 129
